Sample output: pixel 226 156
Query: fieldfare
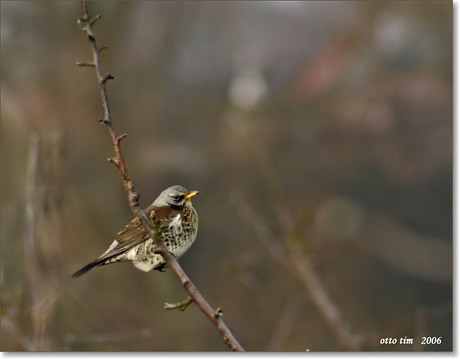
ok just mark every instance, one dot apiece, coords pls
pixel 178 224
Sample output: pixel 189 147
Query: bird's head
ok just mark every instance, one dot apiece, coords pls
pixel 175 196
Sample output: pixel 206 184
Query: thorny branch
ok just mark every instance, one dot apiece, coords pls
pixel 180 305
pixel 87 22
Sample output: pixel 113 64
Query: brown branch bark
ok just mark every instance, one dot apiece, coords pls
pixel 86 22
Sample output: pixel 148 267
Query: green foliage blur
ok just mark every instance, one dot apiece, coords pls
pixel 331 121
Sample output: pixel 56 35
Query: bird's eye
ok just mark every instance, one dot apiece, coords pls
pixel 177 197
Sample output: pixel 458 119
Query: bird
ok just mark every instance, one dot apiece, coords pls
pixel 177 222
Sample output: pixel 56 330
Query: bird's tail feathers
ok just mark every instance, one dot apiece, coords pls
pixel 88 267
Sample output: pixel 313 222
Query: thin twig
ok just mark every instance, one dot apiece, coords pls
pixel 297 264
pixel 297 261
pixel 179 305
pixel 329 310
pixel 288 318
pixel 8 325
pixel 86 22
pixel 29 235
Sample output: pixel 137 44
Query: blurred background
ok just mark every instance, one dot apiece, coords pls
pixel 320 135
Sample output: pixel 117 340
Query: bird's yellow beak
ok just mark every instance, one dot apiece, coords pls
pixel 191 194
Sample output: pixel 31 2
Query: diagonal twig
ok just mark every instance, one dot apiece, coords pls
pixel 299 265
pixel 87 22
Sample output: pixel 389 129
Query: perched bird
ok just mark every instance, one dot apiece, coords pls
pixel 178 224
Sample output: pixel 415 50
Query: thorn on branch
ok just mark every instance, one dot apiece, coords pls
pixel 113 160
pixel 93 20
pixel 218 313
pixel 83 22
pixel 179 305
pixel 122 136
pixel 107 77
pixel 83 19
pixel 86 22
pixel 103 47
pixel 83 64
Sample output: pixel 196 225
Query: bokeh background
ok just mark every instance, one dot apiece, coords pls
pixel 320 135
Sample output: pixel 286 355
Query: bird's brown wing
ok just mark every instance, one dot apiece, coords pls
pixel 132 235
